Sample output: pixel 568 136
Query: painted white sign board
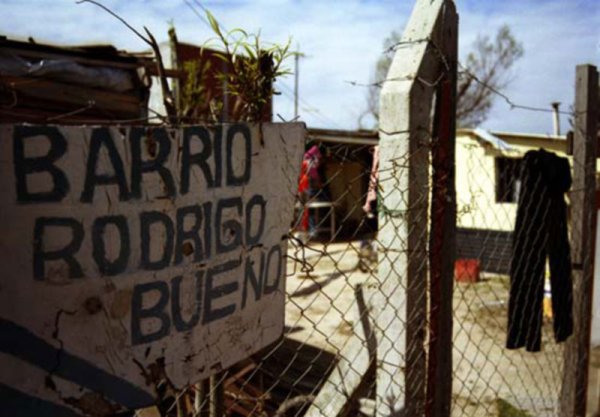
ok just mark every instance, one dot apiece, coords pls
pixel 135 254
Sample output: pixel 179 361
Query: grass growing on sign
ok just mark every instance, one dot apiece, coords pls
pixel 195 99
pixel 254 64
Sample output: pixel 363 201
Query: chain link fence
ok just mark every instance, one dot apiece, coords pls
pixel 326 362
pixel 490 379
pixel 329 361
pixel 359 307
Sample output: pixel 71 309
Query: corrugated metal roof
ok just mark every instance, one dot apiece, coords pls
pixel 493 140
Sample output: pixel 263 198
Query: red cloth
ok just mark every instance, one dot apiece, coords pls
pixel 313 157
pixel 302 190
pixel 303 183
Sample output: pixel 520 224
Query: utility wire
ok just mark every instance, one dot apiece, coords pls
pixel 288 93
pixel 200 16
pixel 464 71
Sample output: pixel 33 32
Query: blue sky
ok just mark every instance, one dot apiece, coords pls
pixel 342 41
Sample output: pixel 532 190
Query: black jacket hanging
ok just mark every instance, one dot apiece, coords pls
pixel 540 231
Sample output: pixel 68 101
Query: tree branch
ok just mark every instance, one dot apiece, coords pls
pixel 109 11
pixel 168 100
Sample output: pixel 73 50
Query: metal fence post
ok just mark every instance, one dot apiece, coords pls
pixel 583 208
pixel 442 246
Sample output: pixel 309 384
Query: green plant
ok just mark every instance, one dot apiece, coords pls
pixel 252 68
pixel 196 102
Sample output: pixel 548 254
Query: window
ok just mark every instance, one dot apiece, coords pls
pixel 508 182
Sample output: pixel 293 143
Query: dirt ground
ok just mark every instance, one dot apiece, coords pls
pixel 489 380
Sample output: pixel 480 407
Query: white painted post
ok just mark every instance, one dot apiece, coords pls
pixel 396 301
pixel 399 302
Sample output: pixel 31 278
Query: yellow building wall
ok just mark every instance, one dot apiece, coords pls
pixel 476 188
pixel 476 178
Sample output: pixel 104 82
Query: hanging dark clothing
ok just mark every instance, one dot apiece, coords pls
pixel 540 232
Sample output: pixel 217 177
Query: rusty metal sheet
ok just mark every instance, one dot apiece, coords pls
pixel 132 256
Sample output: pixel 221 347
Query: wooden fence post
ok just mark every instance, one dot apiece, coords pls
pixel 442 247
pixel 583 208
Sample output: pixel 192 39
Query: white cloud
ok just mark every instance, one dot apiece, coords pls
pixel 342 41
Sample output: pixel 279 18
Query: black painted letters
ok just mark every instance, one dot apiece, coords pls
pixel 24 165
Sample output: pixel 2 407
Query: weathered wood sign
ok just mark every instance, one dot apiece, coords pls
pixel 131 255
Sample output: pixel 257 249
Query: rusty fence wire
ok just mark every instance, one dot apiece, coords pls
pixel 344 352
pixel 343 349
pixel 329 361
pixel 325 363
